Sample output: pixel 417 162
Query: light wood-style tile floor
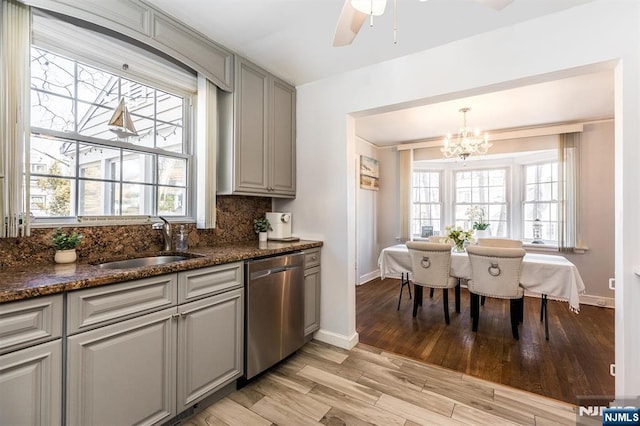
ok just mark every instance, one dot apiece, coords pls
pixel 322 384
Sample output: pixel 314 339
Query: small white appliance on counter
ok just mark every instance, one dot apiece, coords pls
pixel 280 227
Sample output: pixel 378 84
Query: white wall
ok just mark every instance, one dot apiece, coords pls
pixel 389 198
pixel 366 220
pixel 540 49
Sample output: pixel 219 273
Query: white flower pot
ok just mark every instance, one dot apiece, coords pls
pixel 65 256
pixel 482 233
pixel 262 236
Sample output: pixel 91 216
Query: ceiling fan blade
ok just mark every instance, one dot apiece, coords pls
pixel 349 23
pixel 495 4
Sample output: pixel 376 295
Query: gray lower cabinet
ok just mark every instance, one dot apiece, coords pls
pixel 210 345
pixel 311 291
pixel 147 369
pixel 31 361
pixel 31 385
pixel 123 374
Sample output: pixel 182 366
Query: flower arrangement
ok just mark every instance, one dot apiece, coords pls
pixel 458 236
pixel 65 241
pixel 475 214
pixel 261 225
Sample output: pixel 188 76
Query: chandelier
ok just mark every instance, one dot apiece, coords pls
pixel 468 141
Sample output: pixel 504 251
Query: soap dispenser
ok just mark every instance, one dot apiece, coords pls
pixel 182 244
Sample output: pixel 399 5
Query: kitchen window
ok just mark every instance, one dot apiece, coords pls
pixel 79 167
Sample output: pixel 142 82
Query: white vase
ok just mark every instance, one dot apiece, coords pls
pixel 483 233
pixel 65 256
pixel 262 236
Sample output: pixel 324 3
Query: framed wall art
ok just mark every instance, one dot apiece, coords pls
pixel 369 173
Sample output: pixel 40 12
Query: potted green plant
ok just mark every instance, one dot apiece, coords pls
pixel 261 226
pixel 65 245
pixel 475 214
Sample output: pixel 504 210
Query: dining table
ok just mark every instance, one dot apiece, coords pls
pixel 552 276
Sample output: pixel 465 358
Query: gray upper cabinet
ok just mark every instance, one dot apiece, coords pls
pixel 259 157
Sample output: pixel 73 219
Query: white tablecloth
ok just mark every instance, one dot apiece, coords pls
pixel 552 275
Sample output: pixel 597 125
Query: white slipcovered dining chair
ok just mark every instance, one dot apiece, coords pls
pixel 430 265
pixel 499 242
pixel 438 239
pixel 495 272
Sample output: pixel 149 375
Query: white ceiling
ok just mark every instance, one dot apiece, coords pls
pixel 293 40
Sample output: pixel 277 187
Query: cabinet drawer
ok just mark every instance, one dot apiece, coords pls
pixel 27 322
pixel 203 282
pixel 99 306
pixel 311 258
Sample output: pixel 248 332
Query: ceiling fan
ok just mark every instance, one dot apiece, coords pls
pixel 355 12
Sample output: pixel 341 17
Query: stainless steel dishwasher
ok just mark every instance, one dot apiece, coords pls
pixel 275 310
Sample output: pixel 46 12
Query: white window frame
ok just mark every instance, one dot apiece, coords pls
pixel 524 201
pixel 187 142
pixel 440 203
pixel 506 203
pixel 515 184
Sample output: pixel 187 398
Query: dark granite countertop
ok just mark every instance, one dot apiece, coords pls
pixel 23 282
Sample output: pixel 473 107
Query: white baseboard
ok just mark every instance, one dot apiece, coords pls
pixel 586 299
pixel 335 339
pixel 604 302
pixel 363 279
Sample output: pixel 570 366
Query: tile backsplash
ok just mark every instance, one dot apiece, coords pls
pixel 234 217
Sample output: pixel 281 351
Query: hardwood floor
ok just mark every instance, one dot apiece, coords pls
pixel 322 384
pixel 574 362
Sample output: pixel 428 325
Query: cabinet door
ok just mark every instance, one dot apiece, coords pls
pixel 251 156
pixel 210 345
pixel 311 300
pixel 283 139
pixel 123 374
pixel 31 385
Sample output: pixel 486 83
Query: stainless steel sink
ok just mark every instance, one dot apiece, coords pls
pixel 143 261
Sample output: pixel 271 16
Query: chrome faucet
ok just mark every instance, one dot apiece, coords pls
pixel 165 226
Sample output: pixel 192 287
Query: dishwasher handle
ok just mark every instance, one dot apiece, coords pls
pixel 266 272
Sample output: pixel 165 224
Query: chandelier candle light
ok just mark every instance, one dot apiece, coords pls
pixel 468 141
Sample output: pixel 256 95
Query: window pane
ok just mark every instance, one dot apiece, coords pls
pixel 497 195
pixel 172 171
pixel 137 199
pixel 51 112
pixel 168 107
pixel 169 137
pixel 52 156
pixel 93 121
pixel 171 201
pixel 57 195
pixel 97 87
pixel 144 127
pixel 138 167
pixel 96 198
pixel 98 162
pixel 52 73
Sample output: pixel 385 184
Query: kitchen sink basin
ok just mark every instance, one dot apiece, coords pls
pixel 143 261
